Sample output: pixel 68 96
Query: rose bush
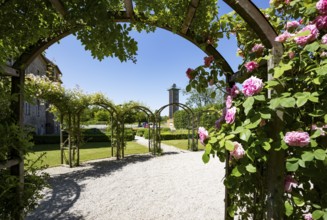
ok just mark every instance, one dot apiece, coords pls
pixel 294 99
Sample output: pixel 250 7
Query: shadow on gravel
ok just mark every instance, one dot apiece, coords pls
pixel 65 190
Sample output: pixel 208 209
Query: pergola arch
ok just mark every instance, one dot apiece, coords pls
pixel 245 8
pixel 194 145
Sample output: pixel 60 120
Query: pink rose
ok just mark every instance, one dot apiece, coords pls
pixel 252 86
pixel 324 39
pixel 238 151
pixel 230 115
pixel 189 73
pixel 323 54
pixel 322 6
pixel 251 66
pixel 314 127
pixel 297 138
pixel 234 91
pixel 203 135
pixel 208 61
pixel 307 216
pixel 287 2
pixel 229 101
pixel 320 22
pixel 283 37
pixel 314 33
pixel 292 25
pixel 258 49
pixel 289 183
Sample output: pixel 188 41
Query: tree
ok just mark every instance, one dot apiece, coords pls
pixel 101 115
pixel 198 100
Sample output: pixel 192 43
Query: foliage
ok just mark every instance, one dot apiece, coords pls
pixel 203 99
pixel 298 98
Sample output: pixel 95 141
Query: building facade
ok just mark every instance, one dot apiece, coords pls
pixel 36 114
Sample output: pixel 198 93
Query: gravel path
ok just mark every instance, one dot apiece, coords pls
pixel 175 186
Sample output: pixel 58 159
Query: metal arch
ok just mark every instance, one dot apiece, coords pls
pixel 189 111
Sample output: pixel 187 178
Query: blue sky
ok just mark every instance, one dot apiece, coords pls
pixel 162 60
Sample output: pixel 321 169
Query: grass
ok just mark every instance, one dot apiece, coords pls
pixel 181 144
pixel 89 151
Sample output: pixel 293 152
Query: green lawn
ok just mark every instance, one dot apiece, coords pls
pixel 89 151
pixel 182 144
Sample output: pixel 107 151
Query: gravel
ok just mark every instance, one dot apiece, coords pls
pixel 176 185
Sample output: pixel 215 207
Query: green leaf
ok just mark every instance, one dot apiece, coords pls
pixel 299 201
pixel 279 70
pixel 213 140
pixel 265 114
pixel 255 121
pixel 245 135
pixel 238 130
pixel 318 80
pixel 301 101
pixel 272 83
pixel 266 145
pixel 250 168
pixel 288 102
pixel 320 154
pixel 301 163
pixel 325 118
pixel 248 104
pixel 317 214
pixel 292 166
pixel 316 134
pixel 188 88
pixel 312 47
pixel 205 158
pixel 307 156
pixel 229 145
pixel 236 172
pixel 274 103
pixel 208 149
pixel 288 208
pixel 228 137
pixel 260 97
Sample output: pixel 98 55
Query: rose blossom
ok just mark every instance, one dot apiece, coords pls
pixel 203 134
pixel 323 54
pixel 322 6
pixel 324 39
pixel 208 61
pixel 251 66
pixel 188 73
pixel 320 22
pixel 307 216
pixel 234 91
pixel 238 151
pixel 229 101
pixel 292 25
pixel 283 37
pixel 230 115
pixel 258 49
pixel 289 183
pixel 252 86
pixel 297 138
pixel 314 33
pixel 287 2
pixel 314 127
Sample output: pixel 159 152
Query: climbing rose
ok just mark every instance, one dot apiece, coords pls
pixel 251 66
pixel 230 115
pixel 208 61
pixel 320 22
pixel 307 216
pixel 314 33
pixel 188 73
pixel 324 39
pixel 292 25
pixel 322 6
pixel 283 37
pixel 258 49
pixel 238 151
pixel 252 86
pixel 203 134
pixel 297 138
pixel 229 101
pixel 287 1
pixel 289 183
pixel 234 91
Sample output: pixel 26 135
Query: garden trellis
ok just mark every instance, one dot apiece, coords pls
pixel 29 27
